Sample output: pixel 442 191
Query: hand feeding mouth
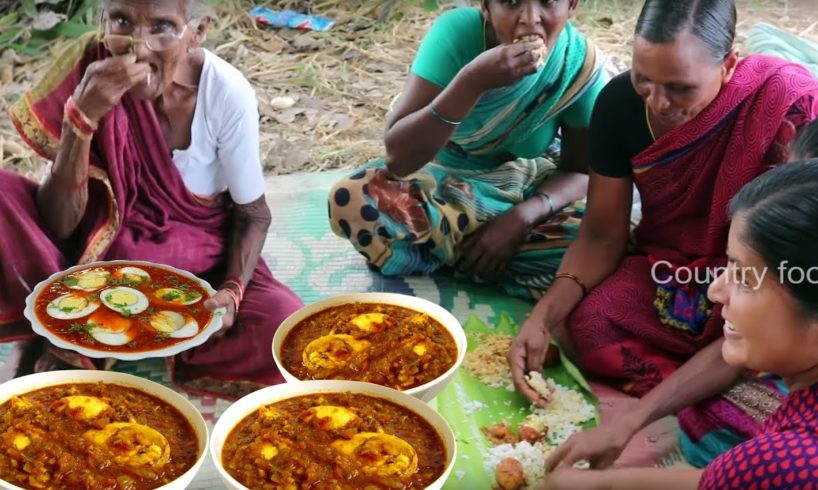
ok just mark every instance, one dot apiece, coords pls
pixel 539 52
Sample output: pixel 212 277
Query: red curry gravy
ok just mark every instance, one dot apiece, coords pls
pixel 138 327
pixel 398 347
pixel 46 442
pixel 339 441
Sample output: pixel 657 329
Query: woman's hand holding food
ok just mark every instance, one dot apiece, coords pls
pixel 600 446
pixel 105 83
pixel 506 64
pixel 528 353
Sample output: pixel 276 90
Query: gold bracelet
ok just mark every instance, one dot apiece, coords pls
pixel 574 278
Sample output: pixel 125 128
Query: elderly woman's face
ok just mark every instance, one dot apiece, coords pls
pixel 516 19
pixel 764 329
pixel 162 38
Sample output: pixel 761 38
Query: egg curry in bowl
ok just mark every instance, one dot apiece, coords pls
pixel 93 436
pixel 383 344
pixel 336 440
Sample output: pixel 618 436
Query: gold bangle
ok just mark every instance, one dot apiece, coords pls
pixel 574 278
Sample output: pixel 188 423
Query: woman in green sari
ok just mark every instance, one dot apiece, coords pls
pixel 468 180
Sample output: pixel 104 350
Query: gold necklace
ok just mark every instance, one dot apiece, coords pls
pixel 647 120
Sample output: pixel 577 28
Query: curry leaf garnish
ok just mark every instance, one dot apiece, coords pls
pixel 70 281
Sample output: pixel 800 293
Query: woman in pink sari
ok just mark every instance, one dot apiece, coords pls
pixel 154 144
pixel 690 125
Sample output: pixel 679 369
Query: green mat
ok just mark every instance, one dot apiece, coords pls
pixel 303 253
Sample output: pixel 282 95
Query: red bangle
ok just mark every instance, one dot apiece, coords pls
pixel 82 124
pixel 236 280
pixel 233 295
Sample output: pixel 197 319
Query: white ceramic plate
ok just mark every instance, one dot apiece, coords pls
pixel 425 391
pixel 33 382
pixel 167 351
pixel 250 403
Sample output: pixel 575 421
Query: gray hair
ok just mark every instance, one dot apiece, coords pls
pixel 193 9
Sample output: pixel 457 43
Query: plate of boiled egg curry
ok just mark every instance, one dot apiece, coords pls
pixel 126 310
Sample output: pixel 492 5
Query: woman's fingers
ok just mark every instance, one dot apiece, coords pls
pixel 558 456
pixel 222 299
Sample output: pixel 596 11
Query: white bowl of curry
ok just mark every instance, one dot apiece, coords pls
pixel 97 429
pixel 347 435
pixel 402 342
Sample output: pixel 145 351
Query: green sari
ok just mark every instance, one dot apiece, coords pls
pixel 414 225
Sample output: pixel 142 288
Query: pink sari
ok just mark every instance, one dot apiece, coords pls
pixel 636 331
pixel 138 208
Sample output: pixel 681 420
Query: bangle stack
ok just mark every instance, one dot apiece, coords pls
pixel 81 124
pixel 235 287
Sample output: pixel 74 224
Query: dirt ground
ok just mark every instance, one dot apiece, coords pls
pixel 324 96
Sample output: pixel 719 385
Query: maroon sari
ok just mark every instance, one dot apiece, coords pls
pixel 636 331
pixel 138 208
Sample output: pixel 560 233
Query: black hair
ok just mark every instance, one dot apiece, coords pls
pixel 712 21
pixel 805 145
pixel 780 213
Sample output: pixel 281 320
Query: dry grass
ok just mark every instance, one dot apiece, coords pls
pixel 342 83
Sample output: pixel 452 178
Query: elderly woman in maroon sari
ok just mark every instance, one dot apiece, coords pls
pixel 690 125
pixel 154 144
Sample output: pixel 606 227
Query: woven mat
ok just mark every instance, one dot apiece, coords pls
pixel 303 253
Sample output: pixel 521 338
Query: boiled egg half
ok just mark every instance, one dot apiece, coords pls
pixel 331 351
pixel 89 280
pixel 177 296
pixel 174 324
pixel 379 454
pixel 124 300
pixel 132 444
pixel 71 306
pixel 80 407
pixel 132 275
pixel 329 417
pixel 370 322
pixel 109 328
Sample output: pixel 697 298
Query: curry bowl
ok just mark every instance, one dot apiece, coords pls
pixel 434 358
pixel 359 430
pixel 134 431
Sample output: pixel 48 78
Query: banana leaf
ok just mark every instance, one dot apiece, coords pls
pixel 499 404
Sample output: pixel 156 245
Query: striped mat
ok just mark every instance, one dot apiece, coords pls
pixel 303 253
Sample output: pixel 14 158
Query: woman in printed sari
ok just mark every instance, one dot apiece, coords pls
pixel 690 124
pixel 466 181
pixel 770 307
pixel 154 143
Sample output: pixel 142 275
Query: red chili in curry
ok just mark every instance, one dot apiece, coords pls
pixel 378 343
pixel 93 436
pixel 336 441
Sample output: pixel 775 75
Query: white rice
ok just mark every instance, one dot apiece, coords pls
pixel 531 456
pixel 563 416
